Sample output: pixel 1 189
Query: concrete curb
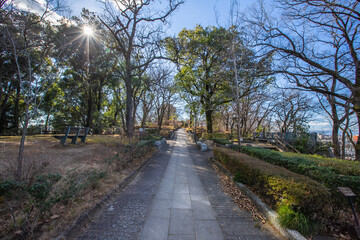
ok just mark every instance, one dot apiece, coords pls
pixel 270 214
pixel 87 216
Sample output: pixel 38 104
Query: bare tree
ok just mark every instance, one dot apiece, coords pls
pixel 147 101
pixel 2 3
pixel 292 109
pixel 315 43
pixel 164 94
pixel 255 108
pixel 133 26
pixel 339 115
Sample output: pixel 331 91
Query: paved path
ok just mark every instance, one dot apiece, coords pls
pixel 176 196
pixel 125 217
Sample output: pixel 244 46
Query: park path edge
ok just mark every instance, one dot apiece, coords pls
pixel 270 214
pixel 86 217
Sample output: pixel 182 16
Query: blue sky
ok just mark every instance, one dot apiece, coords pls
pixel 189 14
pixel 205 13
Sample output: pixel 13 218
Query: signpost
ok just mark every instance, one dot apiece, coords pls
pixel 347 192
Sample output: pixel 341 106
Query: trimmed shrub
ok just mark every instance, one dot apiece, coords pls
pixel 222 141
pixel 277 186
pixel 331 172
pixel 152 137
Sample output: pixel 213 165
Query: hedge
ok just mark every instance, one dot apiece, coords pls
pixel 332 173
pixel 276 185
pixel 152 137
pixel 222 141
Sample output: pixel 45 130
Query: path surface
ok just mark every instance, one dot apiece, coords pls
pixel 176 196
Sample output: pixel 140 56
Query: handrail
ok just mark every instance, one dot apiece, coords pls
pixel 286 143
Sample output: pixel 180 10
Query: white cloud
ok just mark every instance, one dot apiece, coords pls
pixel 314 123
pixel 35 6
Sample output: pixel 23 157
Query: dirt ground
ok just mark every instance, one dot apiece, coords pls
pixel 44 155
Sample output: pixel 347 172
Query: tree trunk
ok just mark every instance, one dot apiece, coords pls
pixel 116 113
pixel 47 121
pixel 227 123
pixel 245 130
pixel 195 120
pixel 135 104
pixel 161 117
pixel 129 111
pixel 232 129
pixel 335 138
pixel 144 117
pixel 209 123
pixel 129 96
pixel 2 108
pixel 90 112
pixel 357 145
pixel 17 110
pixel 343 146
pixel 191 117
pixel 18 174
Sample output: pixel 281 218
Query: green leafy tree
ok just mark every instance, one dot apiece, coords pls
pixel 88 68
pixel 133 26
pixel 28 44
pixel 201 57
pixel 204 57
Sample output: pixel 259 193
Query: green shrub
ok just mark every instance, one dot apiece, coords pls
pixel 27 201
pixel 142 148
pixel 222 141
pixel 77 181
pixel 331 172
pixel 153 137
pixel 164 133
pixel 151 130
pixel 276 185
pixel 205 135
pixel 95 177
pixel 291 219
pixel 41 189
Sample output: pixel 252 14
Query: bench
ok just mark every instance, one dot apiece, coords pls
pixel 76 132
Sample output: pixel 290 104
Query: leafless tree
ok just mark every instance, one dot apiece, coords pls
pixel 255 108
pixel 164 94
pixel 347 129
pixel 2 3
pixel 339 115
pixel 292 110
pixel 134 27
pixel 314 43
pixel 147 102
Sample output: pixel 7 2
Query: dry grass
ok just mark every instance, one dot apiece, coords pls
pixel 44 155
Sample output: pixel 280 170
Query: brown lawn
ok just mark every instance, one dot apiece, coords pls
pixel 45 155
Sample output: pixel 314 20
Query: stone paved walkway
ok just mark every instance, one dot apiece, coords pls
pixel 234 222
pixel 176 196
pixel 125 217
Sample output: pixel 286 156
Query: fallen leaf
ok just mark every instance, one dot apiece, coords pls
pixel 54 217
pixel 238 197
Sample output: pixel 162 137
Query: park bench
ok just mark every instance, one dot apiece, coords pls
pixel 73 133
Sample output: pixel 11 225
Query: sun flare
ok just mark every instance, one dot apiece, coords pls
pixel 87 30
